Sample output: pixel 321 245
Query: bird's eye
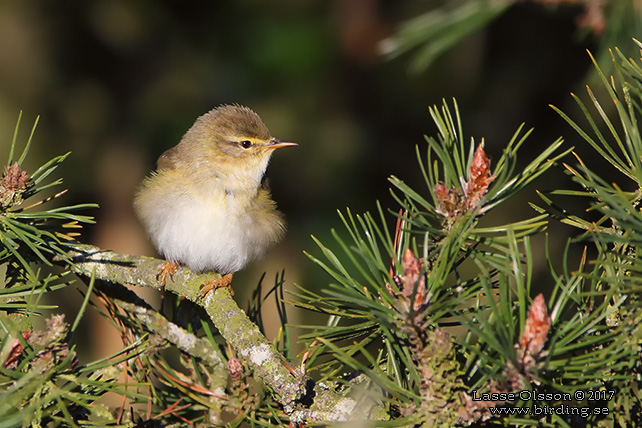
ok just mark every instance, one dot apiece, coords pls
pixel 246 144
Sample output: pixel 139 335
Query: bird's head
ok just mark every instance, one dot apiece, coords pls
pixel 232 135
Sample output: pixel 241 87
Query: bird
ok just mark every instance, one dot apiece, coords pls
pixel 206 206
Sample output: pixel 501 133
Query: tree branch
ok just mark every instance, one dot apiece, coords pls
pixel 301 398
pixel 125 305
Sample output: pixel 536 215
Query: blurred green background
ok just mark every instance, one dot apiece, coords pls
pixel 117 82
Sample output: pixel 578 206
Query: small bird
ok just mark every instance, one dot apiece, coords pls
pixel 206 205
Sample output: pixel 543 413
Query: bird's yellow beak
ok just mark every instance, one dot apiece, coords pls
pixel 277 144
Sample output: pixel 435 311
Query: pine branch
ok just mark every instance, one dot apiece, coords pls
pixel 129 308
pixel 181 338
pixel 300 397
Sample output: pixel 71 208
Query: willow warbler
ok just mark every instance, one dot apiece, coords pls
pixel 205 206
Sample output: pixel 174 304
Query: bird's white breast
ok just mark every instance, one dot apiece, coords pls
pixel 209 228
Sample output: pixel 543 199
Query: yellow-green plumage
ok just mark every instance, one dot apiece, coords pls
pixel 205 207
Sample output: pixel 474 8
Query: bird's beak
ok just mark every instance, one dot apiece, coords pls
pixel 277 144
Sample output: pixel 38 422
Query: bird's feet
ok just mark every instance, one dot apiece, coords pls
pixel 167 269
pixel 214 284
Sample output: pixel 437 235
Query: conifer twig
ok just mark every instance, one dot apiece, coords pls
pixel 301 398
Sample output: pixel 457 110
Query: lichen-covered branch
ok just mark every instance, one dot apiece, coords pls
pixel 130 306
pixel 300 397
pixel 157 324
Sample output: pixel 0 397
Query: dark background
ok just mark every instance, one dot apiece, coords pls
pixel 118 82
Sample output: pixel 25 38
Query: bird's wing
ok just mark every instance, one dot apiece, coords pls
pixel 168 160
